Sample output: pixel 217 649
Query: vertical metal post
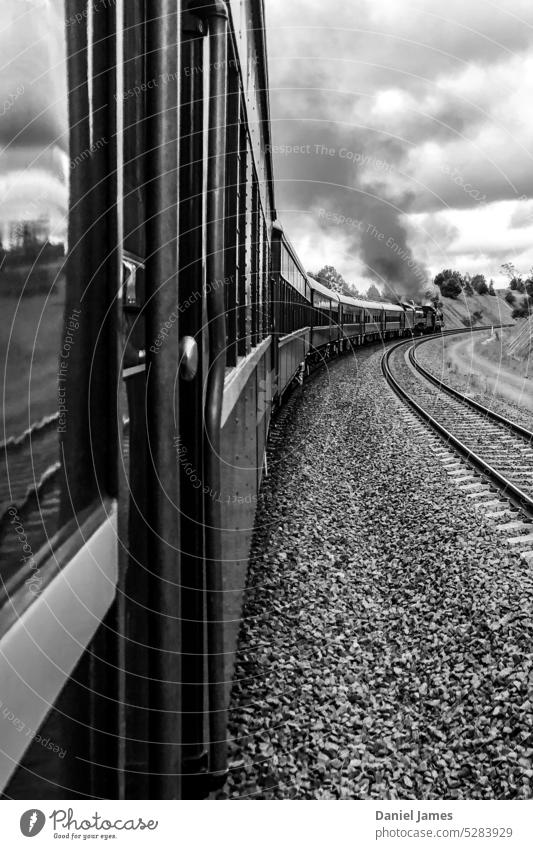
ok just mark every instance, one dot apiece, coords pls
pixel 162 51
pixel 217 16
pixel 191 450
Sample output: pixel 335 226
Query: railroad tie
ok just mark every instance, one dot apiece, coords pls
pixel 521 540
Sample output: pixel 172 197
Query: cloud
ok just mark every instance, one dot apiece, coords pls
pixel 465 239
pixel 32 46
pixel 438 94
pixel 33 115
pixel 522 216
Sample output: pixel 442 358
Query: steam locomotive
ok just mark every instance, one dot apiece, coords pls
pixel 142 363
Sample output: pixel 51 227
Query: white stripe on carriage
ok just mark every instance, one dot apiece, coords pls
pixel 239 376
pixel 40 651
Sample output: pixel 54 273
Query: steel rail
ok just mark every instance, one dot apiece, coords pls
pixel 454 393
pixel 509 490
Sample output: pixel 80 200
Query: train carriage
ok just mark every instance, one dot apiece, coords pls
pixel 433 319
pixel 325 332
pixel 394 320
pixel 291 312
pixel 374 320
pixel 419 325
pixel 409 320
pixel 165 374
pixel 352 320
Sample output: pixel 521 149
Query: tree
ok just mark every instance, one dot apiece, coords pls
pixel 479 284
pixel 517 285
pixel 333 279
pixel 467 284
pixel 492 290
pixel 510 298
pixel 444 275
pixel 330 277
pixel 523 310
pixel 451 288
pixel 529 286
pixel 373 293
pixel 508 269
pixel 449 282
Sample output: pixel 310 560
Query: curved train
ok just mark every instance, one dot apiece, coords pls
pixel 312 323
pixel 157 314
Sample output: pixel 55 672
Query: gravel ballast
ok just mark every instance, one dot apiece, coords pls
pixel 387 634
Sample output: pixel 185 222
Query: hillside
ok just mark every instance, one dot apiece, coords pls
pixel 458 312
pixel 520 339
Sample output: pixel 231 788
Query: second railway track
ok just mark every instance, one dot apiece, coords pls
pixel 491 457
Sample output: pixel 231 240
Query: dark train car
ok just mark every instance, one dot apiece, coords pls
pixel 393 320
pixel 325 330
pixel 59 513
pixel 422 319
pixel 340 320
pixel 374 319
pixel 429 318
pixel 410 316
pixel 420 322
pixel 291 312
pixel 352 321
pixel 385 319
pixel 147 356
pixel 433 318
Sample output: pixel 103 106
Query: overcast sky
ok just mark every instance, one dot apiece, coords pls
pixel 33 119
pixel 413 124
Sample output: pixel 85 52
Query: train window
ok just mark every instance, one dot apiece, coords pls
pixel 265 282
pixel 59 278
pixel 232 195
pixel 243 289
pixel 35 170
pixel 261 270
pixel 301 284
pixel 254 248
pixel 250 247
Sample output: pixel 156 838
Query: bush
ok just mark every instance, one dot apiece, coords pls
pixel 479 284
pixel 451 287
pixel 473 318
pixel 518 285
pixel 510 298
pixel 467 284
pixel 523 310
pixel 450 283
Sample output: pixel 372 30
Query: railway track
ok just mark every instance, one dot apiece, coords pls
pixel 489 456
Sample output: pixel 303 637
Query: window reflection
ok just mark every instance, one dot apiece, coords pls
pixel 34 186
